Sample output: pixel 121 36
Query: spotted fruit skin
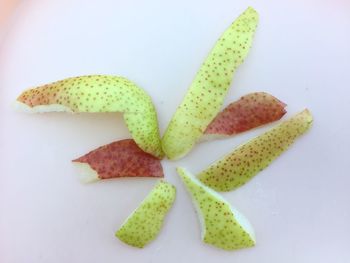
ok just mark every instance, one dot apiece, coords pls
pixel 206 94
pixel 102 93
pixel 250 111
pixel 244 162
pixel 145 223
pixel 222 225
pixel 122 159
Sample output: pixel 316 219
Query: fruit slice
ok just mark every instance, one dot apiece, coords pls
pixel 208 90
pixel 239 166
pixel 250 111
pixel 98 93
pixel 144 224
pixel 118 159
pixel 222 225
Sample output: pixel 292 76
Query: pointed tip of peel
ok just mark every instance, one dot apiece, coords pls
pixel 252 10
pixel 21 107
pixel 181 171
pixel 308 115
pixel 308 112
pixel 85 173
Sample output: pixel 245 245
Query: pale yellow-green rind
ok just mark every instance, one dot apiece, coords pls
pixel 209 88
pixel 243 163
pixel 100 93
pixel 145 223
pixel 222 225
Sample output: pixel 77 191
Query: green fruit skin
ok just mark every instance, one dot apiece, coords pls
pixel 244 162
pixel 222 226
pixel 103 93
pixel 206 94
pixel 145 223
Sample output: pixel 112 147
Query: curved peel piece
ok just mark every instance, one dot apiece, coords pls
pixel 239 166
pixel 118 159
pixel 250 111
pixel 100 93
pixel 144 224
pixel 208 90
pixel 222 225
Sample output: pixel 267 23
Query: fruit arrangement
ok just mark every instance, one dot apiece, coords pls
pixel 198 118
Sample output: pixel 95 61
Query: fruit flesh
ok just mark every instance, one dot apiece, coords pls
pixel 209 88
pixel 100 93
pixel 145 223
pixel 118 159
pixel 244 162
pixel 222 225
pixel 250 111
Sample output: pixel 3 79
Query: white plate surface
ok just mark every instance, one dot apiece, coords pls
pixel 299 206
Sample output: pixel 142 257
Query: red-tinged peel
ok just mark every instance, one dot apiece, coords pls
pixel 249 112
pixel 100 93
pixel 243 163
pixel 118 159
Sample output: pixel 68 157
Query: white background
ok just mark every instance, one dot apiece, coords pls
pixel 299 206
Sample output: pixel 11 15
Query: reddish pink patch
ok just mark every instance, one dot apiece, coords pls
pixel 250 111
pixel 44 95
pixel 122 159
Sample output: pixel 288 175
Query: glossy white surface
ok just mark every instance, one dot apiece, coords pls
pixel 299 206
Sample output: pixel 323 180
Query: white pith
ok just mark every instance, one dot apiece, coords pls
pixel 241 219
pixel 22 107
pixel 210 137
pixel 85 173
